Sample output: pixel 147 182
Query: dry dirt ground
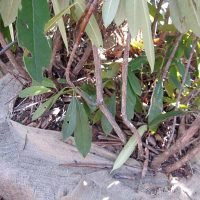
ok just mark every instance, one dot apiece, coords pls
pixel 35 165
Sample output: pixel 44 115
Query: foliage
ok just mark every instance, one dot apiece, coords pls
pixel 148 92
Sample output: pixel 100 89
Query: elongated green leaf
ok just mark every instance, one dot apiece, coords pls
pixel 69 123
pixel 106 126
pixel 137 63
pixel 179 10
pixel 162 117
pixel 30 24
pixel 5 31
pixel 111 71
pixel 143 15
pixel 8 10
pixel 46 105
pixel 120 15
pixel 92 29
pixel 131 101
pixel 132 18
pixel 128 149
pixel 82 133
pixel 177 15
pixel 156 106
pixel 48 83
pixel 173 77
pixel 134 82
pixel 58 6
pixel 138 19
pixel 181 68
pixel 53 21
pixel 33 90
pixel 109 11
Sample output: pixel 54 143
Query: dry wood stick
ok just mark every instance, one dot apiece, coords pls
pixel 179 145
pixel 124 96
pixel 166 68
pixel 181 91
pixel 83 25
pixel 13 61
pixel 90 8
pixel 84 58
pixel 99 93
pixel 191 154
pixel 154 24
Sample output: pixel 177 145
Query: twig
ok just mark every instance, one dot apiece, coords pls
pixel 89 165
pixel 166 68
pixel 185 159
pixel 11 57
pixel 154 24
pixel 7 47
pixel 4 67
pixel 57 44
pixel 83 25
pixel 124 96
pixel 84 58
pixel 99 93
pixel 179 145
pixel 181 91
pixel 146 163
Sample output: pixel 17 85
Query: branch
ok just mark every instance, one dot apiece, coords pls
pixel 90 9
pixel 11 58
pixel 179 145
pixel 154 24
pixel 124 96
pixel 181 91
pixel 166 68
pixel 99 92
pixel 84 58
pixel 190 155
pixel 83 25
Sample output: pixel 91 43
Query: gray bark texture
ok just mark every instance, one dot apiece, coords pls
pixel 32 165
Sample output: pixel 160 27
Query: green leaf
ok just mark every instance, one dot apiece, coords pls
pixel 82 133
pixel 5 31
pixel 193 20
pixel 30 24
pixel 181 68
pixel 138 18
pixel 173 77
pixel 48 83
pixel 110 71
pixel 134 82
pixel 53 21
pixel 43 108
pixel 131 15
pixel 162 117
pixel 106 126
pixel 137 63
pixel 156 106
pixel 153 11
pixel 120 15
pixel 92 28
pixel 58 6
pixel 8 10
pixel 70 121
pixel 128 149
pixel 33 90
pixel 46 105
pixel 109 11
pixel 143 15
pixel 131 101
pixel 179 10
pixel 177 15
